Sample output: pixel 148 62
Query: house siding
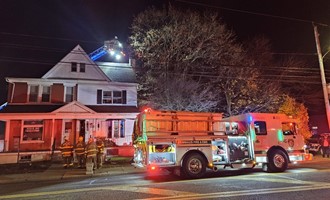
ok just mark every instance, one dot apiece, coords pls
pixel 57 93
pixel 88 94
pixel 20 92
pixel 15 132
pixel 58 132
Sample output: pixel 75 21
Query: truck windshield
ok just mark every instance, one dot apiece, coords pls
pixel 235 128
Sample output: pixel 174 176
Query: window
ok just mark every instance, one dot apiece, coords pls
pixel 231 128
pixel 260 128
pixel 69 94
pixel 117 97
pixel 45 97
pixel 107 97
pixel 68 127
pixel 32 130
pixel 82 67
pixel 116 128
pixel 288 128
pixel 111 97
pixel 122 128
pixel 33 96
pixel 74 67
pixel 234 128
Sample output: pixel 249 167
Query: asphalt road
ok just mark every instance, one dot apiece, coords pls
pixel 307 181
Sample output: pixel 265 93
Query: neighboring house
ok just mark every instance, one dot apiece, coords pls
pixel 77 97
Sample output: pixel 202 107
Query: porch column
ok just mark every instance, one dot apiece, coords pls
pixel 52 135
pixel 7 134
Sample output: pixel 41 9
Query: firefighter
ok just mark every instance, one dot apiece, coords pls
pixel 67 153
pixel 80 152
pixel 325 145
pixel 91 152
pixel 100 152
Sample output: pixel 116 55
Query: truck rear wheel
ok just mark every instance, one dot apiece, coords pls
pixel 277 161
pixel 194 166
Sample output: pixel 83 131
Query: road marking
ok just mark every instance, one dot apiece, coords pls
pixel 157 191
pixel 282 180
pixel 244 192
pixel 129 188
pixel 182 195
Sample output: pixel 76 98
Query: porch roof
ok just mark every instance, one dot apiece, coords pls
pixel 30 108
pixel 50 108
pixel 114 109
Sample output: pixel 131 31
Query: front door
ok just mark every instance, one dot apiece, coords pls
pixel 292 140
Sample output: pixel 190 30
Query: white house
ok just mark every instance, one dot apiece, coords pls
pixel 77 97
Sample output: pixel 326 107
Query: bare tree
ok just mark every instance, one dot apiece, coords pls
pixel 183 93
pixel 180 46
pixel 190 58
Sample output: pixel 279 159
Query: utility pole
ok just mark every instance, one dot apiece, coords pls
pixel 323 80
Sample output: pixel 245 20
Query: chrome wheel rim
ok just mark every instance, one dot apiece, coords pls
pixel 279 160
pixel 195 166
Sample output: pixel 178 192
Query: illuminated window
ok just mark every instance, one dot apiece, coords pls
pixel 32 130
pixel 45 97
pixel 116 128
pixel 33 95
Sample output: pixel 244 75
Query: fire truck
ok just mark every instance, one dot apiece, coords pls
pixel 189 143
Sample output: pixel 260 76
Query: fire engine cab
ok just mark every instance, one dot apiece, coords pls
pixel 188 143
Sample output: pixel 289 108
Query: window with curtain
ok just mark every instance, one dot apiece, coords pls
pixel 33 95
pixel 45 97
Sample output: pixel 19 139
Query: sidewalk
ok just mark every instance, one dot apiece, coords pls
pixel 56 172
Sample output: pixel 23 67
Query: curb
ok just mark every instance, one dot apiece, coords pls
pixel 56 173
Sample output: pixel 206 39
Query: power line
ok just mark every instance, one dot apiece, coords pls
pixel 30 47
pixel 48 38
pixel 254 13
pixel 196 74
pixel 264 67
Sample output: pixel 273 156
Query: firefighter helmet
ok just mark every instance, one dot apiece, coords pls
pixel 80 139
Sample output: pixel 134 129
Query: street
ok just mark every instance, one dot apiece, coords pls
pixel 304 181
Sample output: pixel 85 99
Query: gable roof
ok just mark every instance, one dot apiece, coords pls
pixel 118 72
pixel 74 107
pixel 62 70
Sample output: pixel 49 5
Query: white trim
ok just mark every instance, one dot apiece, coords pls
pixel 67 58
pixel 66 81
pixel 32 141
pixel 7 133
pixel 22 116
pixel 74 104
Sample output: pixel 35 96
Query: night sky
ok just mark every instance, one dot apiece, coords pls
pixel 36 34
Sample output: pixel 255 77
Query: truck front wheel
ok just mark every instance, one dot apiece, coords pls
pixel 194 166
pixel 277 161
